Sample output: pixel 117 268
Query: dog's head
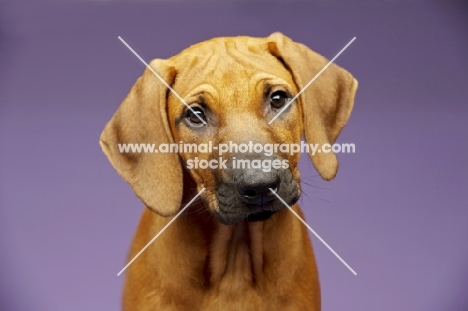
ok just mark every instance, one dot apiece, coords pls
pixel 234 87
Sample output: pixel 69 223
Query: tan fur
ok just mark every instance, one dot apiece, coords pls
pixel 199 263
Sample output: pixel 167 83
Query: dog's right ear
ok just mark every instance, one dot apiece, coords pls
pixel 142 119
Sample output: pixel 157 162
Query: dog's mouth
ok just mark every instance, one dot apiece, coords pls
pixel 228 215
pixel 231 218
pixel 260 216
pixel 251 195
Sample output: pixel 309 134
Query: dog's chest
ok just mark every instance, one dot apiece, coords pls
pixel 233 257
pixel 234 268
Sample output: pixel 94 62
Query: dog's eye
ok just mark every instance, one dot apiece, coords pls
pixel 196 115
pixel 278 99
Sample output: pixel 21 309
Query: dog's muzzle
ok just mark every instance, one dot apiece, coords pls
pixel 244 193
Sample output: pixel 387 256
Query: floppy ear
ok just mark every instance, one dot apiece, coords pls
pixel 142 119
pixel 326 103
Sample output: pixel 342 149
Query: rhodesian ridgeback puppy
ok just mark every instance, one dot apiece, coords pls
pixel 238 247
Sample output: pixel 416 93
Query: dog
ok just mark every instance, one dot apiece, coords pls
pixel 237 247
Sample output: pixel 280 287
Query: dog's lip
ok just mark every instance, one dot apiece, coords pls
pixel 246 213
pixel 249 213
pixel 252 208
pixel 231 218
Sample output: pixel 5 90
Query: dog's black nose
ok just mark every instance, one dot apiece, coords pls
pixel 254 187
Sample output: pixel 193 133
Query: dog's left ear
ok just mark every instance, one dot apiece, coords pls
pixel 326 103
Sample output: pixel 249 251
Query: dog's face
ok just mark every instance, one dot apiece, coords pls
pixel 234 87
pixel 237 91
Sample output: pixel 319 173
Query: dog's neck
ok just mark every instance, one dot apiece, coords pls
pixel 235 252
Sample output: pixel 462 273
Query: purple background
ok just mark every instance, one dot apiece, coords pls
pixel 397 212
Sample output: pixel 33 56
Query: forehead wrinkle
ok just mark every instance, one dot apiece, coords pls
pixel 223 60
pixel 262 66
pixel 227 70
pixel 205 89
pixel 225 56
pixel 230 80
pixel 242 56
pixel 211 65
pixel 261 79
